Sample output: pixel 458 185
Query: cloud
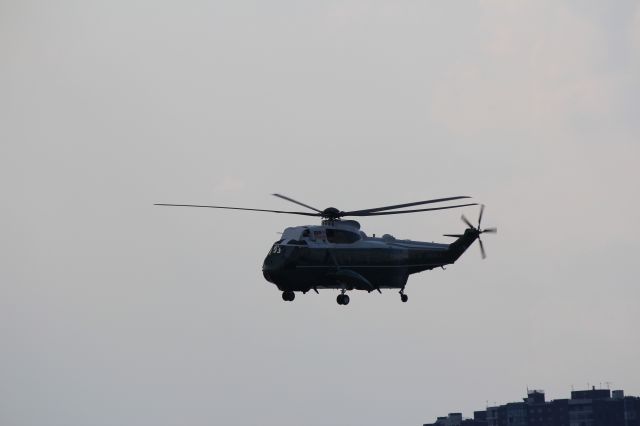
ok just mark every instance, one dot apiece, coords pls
pixel 635 34
pixel 533 65
pixel 229 184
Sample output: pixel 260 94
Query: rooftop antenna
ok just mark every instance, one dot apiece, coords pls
pixel 608 385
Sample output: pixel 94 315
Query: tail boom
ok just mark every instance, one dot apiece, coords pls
pixel 459 246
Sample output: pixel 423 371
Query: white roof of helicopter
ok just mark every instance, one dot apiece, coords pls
pixel 316 236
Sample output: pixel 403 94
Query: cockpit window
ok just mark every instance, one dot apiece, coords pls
pixel 339 236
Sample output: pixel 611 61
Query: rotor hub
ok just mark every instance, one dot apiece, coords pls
pixel 331 213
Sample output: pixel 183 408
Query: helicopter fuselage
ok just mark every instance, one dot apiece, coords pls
pixel 338 255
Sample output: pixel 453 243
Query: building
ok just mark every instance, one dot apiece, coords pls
pixel 591 407
pixel 455 419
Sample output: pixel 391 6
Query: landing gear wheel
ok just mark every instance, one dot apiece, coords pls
pixel 404 298
pixel 342 299
pixel 288 296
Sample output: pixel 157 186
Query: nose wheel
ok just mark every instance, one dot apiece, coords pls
pixel 403 296
pixel 342 299
pixel 288 296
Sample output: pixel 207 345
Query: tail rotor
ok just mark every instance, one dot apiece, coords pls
pixel 491 230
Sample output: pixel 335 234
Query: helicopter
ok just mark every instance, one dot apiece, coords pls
pixel 337 254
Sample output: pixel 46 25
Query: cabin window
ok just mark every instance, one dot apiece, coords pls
pixel 318 235
pixel 339 236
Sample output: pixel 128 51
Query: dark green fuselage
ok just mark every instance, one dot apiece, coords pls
pixel 368 264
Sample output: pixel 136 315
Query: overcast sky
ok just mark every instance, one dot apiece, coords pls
pixel 115 312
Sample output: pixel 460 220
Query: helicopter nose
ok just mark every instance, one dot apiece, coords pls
pixel 272 267
pixel 272 263
pixel 271 272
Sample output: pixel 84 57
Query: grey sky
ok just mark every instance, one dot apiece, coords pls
pixel 114 312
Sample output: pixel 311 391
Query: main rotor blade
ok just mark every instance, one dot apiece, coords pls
pixel 490 230
pixel 238 208
pixel 465 220
pixel 296 202
pixel 482 252
pixel 480 216
pixel 366 213
pixel 399 206
pixel 453 235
